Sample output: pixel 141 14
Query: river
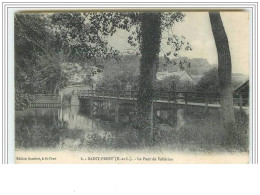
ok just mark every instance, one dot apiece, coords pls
pixel 72 128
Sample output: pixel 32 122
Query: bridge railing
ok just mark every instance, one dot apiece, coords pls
pixel 107 93
pixel 186 96
pixel 171 96
pixel 44 101
pixel 46 97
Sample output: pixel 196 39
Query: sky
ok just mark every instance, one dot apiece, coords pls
pixel 196 29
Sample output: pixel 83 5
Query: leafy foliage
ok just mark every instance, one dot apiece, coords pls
pixel 118 74
pixel 209 82
pixel 45 42
pixel 195 66
pixel 168 84
pixel 37 63
pixel 84 35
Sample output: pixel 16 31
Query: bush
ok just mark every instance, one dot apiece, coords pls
pixel 22 100
pixel 172 83
pixel 209 82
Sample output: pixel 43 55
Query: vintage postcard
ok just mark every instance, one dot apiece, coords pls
pixel 125 86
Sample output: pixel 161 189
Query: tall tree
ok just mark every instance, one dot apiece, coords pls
pixel 31 40
pixel 150 48
pixel 224 74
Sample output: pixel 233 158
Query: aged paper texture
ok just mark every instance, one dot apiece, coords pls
pixel 132 87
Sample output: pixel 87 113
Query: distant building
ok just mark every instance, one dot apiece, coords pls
pixel 93 75
pixel 196 78
pixel 243 92
pixel 238 79
pixel 182 76
pixel 244 88
pixel 96 78
pixel 77 78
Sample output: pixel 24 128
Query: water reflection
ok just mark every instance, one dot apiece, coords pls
pixel 64 127
pixel 73 128
pixel 37 128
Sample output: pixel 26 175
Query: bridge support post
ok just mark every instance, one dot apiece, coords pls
pixel 180 119
pixel 107 109
pixel 174 117
pixel 91 107
pixel 135 108
pixel 174 97
pixel 117 113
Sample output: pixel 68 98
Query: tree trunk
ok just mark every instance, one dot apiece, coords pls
pixel 224 74
pixel 150 48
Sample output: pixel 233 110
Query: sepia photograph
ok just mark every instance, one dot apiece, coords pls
pixel 132 86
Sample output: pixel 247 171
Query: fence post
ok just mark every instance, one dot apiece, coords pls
pixel 117 112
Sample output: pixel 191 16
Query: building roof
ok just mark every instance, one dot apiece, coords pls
pixel 163 75
pixel 180 74
pixel 240 78
pixel 244 88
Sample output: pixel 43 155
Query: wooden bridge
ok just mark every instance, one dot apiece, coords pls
pixel 201 101
pixel 114 104
pixel 162 99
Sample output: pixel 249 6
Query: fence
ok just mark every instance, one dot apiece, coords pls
pixel 45 101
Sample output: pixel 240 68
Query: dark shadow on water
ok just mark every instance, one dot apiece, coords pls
pixel 37 128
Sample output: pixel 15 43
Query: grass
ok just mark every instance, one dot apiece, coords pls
pixel 205 134
pixel 197 134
